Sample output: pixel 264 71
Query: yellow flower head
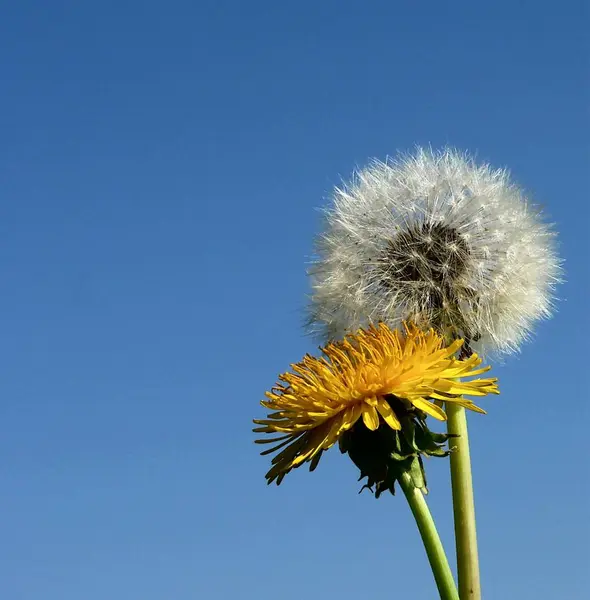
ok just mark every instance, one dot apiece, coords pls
pixel 324 397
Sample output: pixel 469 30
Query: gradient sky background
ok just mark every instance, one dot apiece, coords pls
pixel 160 169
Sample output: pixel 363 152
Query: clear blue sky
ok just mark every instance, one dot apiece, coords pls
pixel 160 169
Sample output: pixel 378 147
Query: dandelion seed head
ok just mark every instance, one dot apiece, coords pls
pixel 437 239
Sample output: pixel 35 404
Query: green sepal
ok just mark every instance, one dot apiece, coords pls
pixel 409 433
pixel 417 474
pixel 400 457
pixel 383 455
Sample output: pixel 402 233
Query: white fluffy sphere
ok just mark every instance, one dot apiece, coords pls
pixel 436 239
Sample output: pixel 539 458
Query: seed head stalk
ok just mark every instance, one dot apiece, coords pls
pixel 463 505
pixel 463 499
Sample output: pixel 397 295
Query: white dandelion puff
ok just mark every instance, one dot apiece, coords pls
pixel 437 239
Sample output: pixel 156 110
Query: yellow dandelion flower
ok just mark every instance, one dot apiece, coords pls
pixel 324 397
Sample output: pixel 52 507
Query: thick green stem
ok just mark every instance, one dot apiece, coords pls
pixel 434 548
pixel 463 505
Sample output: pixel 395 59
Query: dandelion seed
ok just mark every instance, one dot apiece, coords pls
pixel 435 239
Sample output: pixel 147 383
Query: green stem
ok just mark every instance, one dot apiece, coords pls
pixel 434 548
pixel 463 505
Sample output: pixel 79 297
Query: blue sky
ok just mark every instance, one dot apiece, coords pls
pixel 160 169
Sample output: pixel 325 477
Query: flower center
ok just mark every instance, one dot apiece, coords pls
pixel 429 253
pixel 423 267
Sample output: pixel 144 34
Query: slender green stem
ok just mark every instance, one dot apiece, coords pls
pixel 434 548
pixel 463 505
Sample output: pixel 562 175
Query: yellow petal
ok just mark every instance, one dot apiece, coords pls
pixel 387 413
pixel 467 404
pixel 351 416
pixel 429 408
pixel 479 387
pixel 370 417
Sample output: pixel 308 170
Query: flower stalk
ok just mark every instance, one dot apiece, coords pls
pixel 432 543
pixel 463 504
